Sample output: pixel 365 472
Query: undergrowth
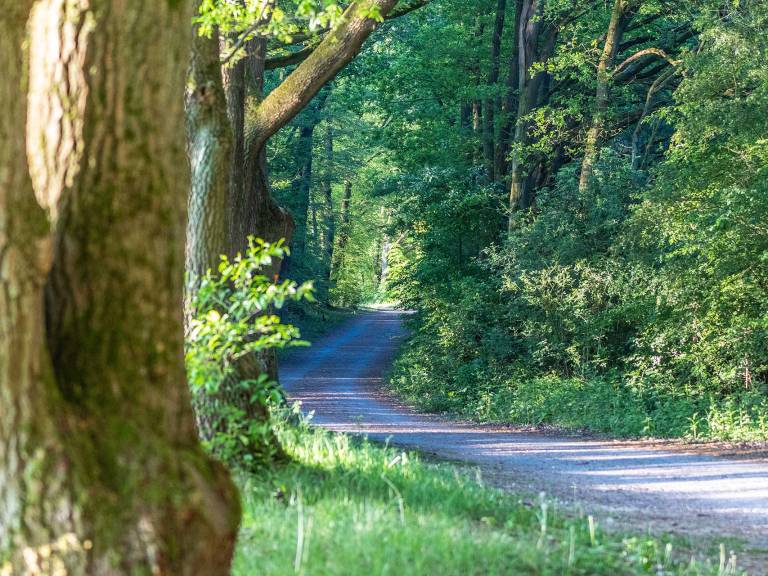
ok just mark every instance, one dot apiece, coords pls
pixel 346 506
pixel 599 404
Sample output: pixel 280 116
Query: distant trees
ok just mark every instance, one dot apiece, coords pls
pixel 102 472
pixel 607 256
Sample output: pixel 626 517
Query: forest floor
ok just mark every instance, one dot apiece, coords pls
pixel 683 489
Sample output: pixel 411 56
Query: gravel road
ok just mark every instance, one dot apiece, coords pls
pixel 679 489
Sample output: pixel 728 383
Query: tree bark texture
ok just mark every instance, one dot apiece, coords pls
pixel 102 472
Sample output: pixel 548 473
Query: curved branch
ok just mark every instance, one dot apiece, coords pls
pixel 336 50
pixel 646 52
pixel 289 59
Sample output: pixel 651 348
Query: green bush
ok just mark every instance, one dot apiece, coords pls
pixel 233 321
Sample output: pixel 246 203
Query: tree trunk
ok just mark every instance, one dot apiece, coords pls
pixel 37 508
pixel 343 235
pixel 221 216
pixel 509 104
pixel 210 146
pixel 613 37
pixel 492 103
pixel 330 220
pixel 104 474
pixel 302 188
pixel 303 183
pixel 529 52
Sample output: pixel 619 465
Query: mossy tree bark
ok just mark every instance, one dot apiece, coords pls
pixel 102 470
pixel 37 511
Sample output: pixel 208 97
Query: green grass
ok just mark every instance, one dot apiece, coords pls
pixel 349 507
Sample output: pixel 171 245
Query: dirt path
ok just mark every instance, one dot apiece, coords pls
pixel 635 483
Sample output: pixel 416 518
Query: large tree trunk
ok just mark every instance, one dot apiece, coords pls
pixel 613 38
pixel 103 473
pixel 221 217
pixel 36 507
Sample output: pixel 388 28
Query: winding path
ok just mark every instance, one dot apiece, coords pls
pixel 638 484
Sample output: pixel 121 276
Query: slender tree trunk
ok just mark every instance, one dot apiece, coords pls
pixel 528 90
pixel 303 182
pixel 477 116
pixel 316 241
pixel 386 246
pixel 343 234
pixel 604 72
pixel 377 261
pixel 103 471
pixel 491 103
pixel 657 85
pixel 330 220
pixel 538 164
pixel 509 105
pixel 302 188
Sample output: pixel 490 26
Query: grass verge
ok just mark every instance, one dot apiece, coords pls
pixel 348 507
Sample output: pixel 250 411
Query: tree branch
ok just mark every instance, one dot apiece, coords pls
pixel 646 52
pixel 301 55
pixel 289 59
pixel 336 50
pixel 265 16
pixel 397 12
pixel 406 9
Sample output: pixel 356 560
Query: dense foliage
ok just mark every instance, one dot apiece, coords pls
pixel 636 304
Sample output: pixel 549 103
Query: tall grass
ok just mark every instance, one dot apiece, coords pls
pixel 349 507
